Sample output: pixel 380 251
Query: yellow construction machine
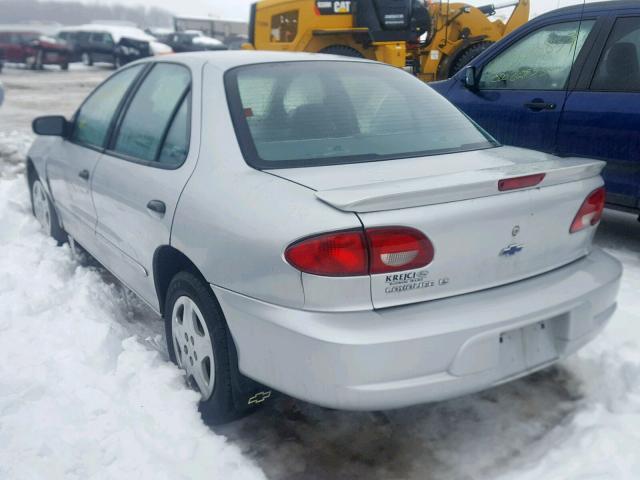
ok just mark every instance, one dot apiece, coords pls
pixel 433 38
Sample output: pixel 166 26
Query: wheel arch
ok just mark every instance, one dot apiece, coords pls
pixel 168 261
pixel 32 173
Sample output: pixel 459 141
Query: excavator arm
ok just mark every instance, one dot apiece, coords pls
pixel 519 17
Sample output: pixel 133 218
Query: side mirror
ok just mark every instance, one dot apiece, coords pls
pixel 470 78
pixel 54 126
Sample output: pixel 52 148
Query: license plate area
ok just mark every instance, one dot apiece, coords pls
pixel 528 347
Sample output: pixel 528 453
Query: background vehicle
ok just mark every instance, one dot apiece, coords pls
pixel 110 44
pixel 565 83
pixel 1 59
pixel 229 32
pixel 34 49
pixel 192 41
pixel 294 216
pixel 435 39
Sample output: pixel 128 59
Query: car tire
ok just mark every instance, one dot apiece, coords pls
pixel 45 212
pixel 342 50
pixel 64 66
pixel 466 56
pixel 117 63
pixel 87 61
pixel 200 345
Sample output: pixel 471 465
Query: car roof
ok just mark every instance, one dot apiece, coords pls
pixel 117 31
pixel 228 59
pixel 592 7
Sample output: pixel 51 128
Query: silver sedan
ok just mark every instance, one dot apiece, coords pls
pixel 326 227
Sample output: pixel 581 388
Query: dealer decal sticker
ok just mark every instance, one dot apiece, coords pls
pixel 404 282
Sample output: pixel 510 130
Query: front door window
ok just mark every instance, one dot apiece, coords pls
pixel 540 61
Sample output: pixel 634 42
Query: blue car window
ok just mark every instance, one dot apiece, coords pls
pixel 619 66
pixel 540 61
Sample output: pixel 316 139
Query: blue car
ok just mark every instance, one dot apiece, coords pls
pixel 568 83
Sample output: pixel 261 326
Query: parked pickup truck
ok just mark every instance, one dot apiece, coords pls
pixel 33 49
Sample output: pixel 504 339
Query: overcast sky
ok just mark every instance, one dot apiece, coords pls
pixel 239 9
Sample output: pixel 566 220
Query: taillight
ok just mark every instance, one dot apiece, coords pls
pixel 520 182
pixel 340 254
pixel 393 249
pixel 357 252
pixel 590 212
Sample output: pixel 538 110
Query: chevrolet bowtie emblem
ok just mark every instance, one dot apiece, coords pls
pixel 511 250
pixel 259 398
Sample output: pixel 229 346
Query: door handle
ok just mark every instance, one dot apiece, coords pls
pixel 157 207
pixel 539 105
pixel 84 174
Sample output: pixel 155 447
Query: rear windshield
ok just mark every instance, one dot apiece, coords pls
pixel 298 114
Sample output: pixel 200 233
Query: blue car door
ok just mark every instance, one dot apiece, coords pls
pixel 602 117
pixel 522 87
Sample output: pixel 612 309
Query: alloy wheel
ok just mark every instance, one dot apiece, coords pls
pixel 193 345
pixel 41 206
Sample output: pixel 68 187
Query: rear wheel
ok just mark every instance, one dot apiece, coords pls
pixel 45 213
pixel 64 66
pixel 467 55
pixel 342 50
pixel 199 342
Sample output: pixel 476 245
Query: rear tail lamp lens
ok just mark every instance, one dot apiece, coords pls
pixel 398 248
pixel 357 252
pixel 590 212
pixel 340 254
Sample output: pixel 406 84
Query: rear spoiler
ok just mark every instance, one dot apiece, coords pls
pixel 455 187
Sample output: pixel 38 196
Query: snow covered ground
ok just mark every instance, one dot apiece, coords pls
pixel 86 390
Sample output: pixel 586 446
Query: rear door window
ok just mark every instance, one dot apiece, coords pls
pixel 540 61
pixel 619 67
pixel 176 145
pixel 148 119
pixel 94 118
pixel 102 39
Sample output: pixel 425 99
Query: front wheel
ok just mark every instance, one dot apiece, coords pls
pixel 467 55
pixel 199 342
pixel 45 213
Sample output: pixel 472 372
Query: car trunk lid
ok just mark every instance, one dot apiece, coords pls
pixel 483 237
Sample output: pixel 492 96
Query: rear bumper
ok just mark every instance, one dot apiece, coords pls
pixel 396 357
